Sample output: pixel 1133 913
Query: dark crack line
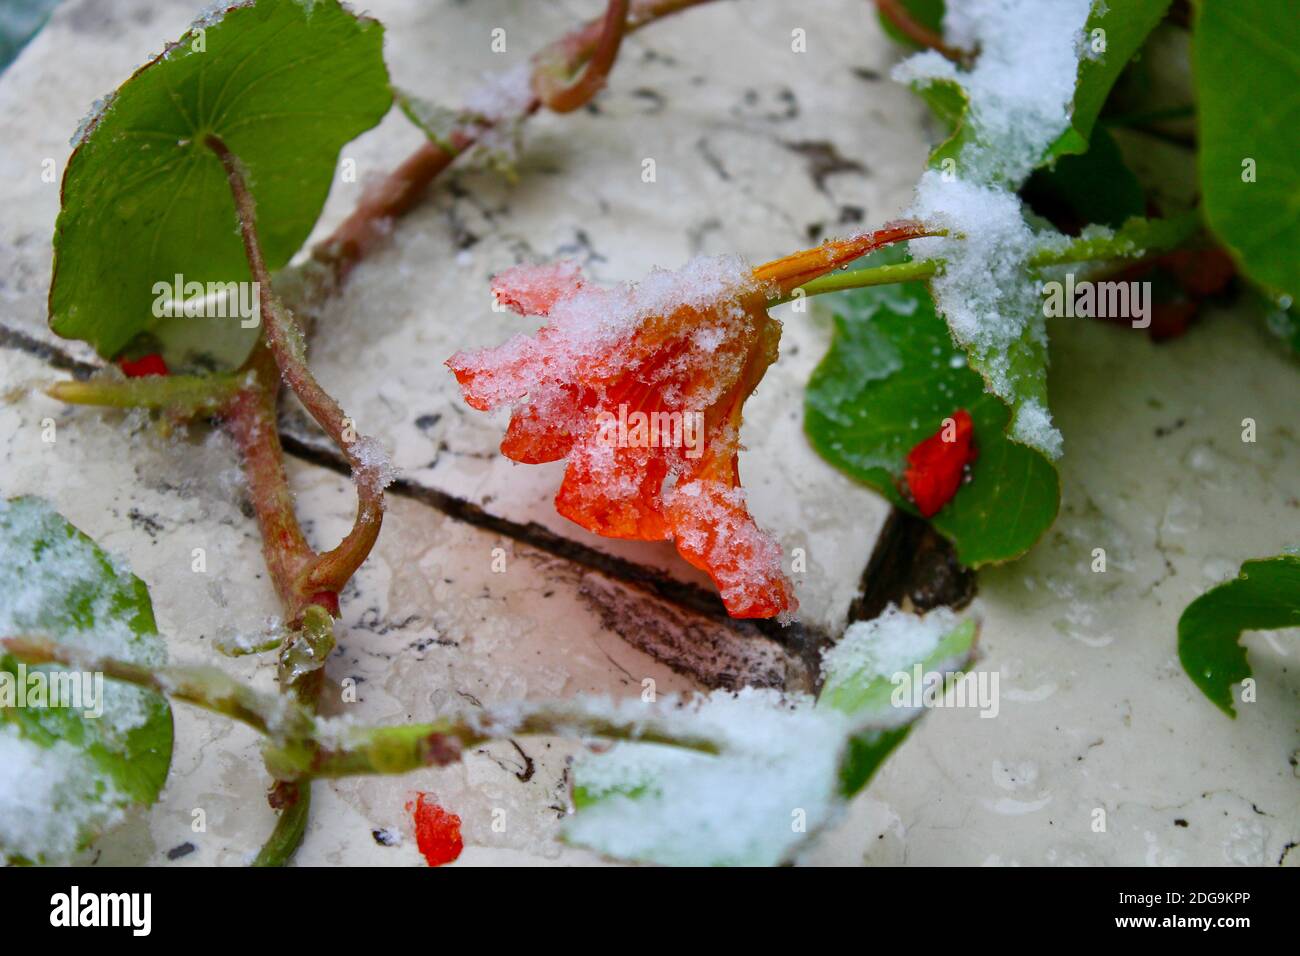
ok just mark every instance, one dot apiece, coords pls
pixel 52 355
pixel 797 638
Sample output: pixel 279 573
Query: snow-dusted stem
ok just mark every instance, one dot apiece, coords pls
pixel 403 188
pixel 328 572
pixel 406 747
pixel 203 687
pixel 1139 240
pixel 552 81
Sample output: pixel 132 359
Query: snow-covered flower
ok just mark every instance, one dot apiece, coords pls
pixel 641 387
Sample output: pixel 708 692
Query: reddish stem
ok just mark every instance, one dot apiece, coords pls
pixel 403 188
pixel 250 418
pixel 897 14
pixel 328 572
pixel 553 67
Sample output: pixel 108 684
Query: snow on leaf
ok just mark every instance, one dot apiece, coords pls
pixel 1115 31
pixel 1019 93
pixel 860 671
pixel 68 773
pixel 785 766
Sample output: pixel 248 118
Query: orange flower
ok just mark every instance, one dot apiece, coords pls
pixel 641 388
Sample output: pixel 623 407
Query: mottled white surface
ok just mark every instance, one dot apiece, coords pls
pixel 1095 711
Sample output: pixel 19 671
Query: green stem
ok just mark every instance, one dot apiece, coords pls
pixel 204 687
pixel 183 395
pixel 1138 239
pixel 405 747
pixel 290 825
pixel 862 278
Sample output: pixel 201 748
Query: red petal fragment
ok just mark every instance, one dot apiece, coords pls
pixel 437 831
pixel 936 465
pixel 493 377
pixel 533 290
pixel 151 364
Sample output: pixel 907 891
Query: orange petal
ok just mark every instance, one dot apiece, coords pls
pixel 490 378
pixel 615 491
pixel 533 438
pixel 713 531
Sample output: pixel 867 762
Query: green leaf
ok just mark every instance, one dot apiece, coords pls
pixel 891 377
pixel 1264 596
pixel 1092 187
pixel 1125 25
pixel 284 83
pixel 60 585
pixel 781 760
pixel 1247 70
pixel 865 690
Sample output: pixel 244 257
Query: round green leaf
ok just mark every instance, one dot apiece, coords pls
pixel 284 83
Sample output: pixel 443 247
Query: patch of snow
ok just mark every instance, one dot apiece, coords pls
pixel 50 797
pixel 66 590
pixel 98 110
pixel 1021 91
pixel 888 644
pixel 372 468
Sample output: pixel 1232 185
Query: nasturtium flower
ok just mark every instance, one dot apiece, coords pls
pixel 641 387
